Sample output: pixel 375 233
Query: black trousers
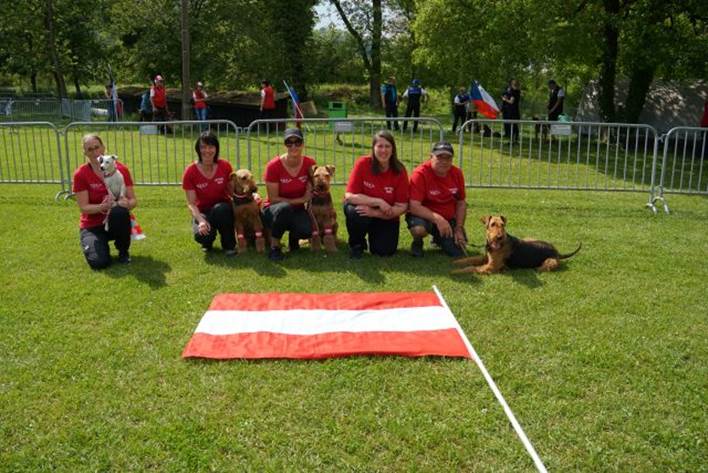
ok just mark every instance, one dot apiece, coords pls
pixel 511 130
pixel 392 111
pixel 412 110
pixel 221 221
pixel 94 240
pixel 383 234
pixel 460 114
pixel 283 217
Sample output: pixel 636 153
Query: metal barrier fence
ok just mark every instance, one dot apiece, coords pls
pixel 30 152
pixel 492 153
pixel 682 168
pixel 558 155
pixel 39 109
pixel 156 153
pixel 339 141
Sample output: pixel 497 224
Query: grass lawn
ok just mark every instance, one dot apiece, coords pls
pixel 603 362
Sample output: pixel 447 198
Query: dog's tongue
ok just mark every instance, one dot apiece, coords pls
pixel 494 245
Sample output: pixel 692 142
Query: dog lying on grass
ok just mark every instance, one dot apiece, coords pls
pixel 322 210
pixel 506 251
pixel 247 211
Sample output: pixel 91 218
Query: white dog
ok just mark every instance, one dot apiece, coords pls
pixel 114 180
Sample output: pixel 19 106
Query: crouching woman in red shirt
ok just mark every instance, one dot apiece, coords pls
pixel 376 196
pixel 97 205
pixel 208 189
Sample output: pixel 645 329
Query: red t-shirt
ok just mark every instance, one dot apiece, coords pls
pixel 268 95
pixel 704 120
pixel 199 97
pixel 209 191
pixel 289 187
pixel 386 185
pixel 159 96
pixel 439 194
pixel 87 180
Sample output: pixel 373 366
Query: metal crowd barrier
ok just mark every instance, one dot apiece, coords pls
pixel 682 169
pixel 156 153
pixel 558 155
pixel 30 152
pixel 12 109
pixel 339 141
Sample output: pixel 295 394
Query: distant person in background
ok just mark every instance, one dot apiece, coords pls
pixel 267 107
pixel 97 206
pixel 389 100
pixel 199 97
pixel 459 104
pixel 510 109
pixel 145 109
pixel 158 101
pixel 111 106
pixel 704 120
pixel 556 97
pixel 413 97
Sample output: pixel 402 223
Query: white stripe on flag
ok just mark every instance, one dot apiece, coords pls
pixel 310 322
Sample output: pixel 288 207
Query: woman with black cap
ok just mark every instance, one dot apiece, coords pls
pixel 288 187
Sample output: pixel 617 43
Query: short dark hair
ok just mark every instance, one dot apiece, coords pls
pixel 394 164
pixel 208 138
pixel 265 82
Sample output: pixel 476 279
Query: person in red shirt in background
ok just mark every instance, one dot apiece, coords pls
pixel 199 97
pixel 97 204
pixel 208 189
pixel 437 205
pixel 375 198
pixel 289 187
pixel 704 120
pixel 158 100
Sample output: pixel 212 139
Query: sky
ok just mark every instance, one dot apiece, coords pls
pixel 327 15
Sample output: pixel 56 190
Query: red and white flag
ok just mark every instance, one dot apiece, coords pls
pixel 307 326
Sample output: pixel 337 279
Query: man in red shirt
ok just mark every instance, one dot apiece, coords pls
pixel 437 204
pixel 158 100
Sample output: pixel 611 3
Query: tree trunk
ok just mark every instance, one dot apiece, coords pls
pixel 77 86
pixel 608 69
pixel 375 70
pixel 639 82
pixel 52 48
pixel 186 83
pixel 33 80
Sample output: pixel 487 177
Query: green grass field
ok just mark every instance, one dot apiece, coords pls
pixel 603 362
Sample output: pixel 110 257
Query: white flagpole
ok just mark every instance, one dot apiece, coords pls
pixel 509 414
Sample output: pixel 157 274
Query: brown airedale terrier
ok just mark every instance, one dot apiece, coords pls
pixel 506 251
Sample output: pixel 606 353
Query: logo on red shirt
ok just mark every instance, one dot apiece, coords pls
pixel 368 184
pixel 388 189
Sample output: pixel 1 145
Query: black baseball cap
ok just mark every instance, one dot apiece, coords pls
pixel 442 147
pixel 293 133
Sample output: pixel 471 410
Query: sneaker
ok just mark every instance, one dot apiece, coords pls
pixel 356 252
pixel 124 257
pixel 275 254
pixel 231 252
pixel 417 248
pixel 206 248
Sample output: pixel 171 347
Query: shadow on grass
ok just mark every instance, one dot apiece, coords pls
pixel 145 269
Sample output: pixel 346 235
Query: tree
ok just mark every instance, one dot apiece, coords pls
pixel 364 22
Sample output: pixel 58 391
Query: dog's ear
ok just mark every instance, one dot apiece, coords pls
pixel 330 169
pixel 100 159
pixel 485 219
pixel 503 219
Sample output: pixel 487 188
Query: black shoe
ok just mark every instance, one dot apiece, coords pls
pixel 356 252
pixel 293 243
pixel 275 254
pixel 230 252
pixel 206 248
pixel 417 248
pixel 124 257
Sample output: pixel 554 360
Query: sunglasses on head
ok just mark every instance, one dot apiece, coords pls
pixel 290 143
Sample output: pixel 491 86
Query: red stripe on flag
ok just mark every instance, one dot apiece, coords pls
pixel 326 345
pixel 336 301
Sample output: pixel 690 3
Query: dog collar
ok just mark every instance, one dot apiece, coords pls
pixel 109 174
pixel 241 199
